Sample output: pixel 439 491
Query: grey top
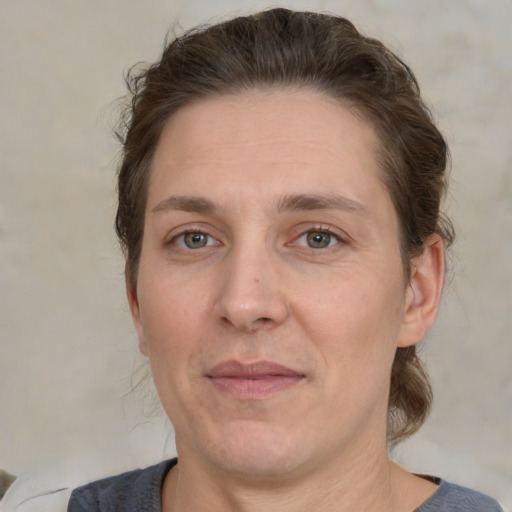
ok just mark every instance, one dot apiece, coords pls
pixel 139 491
pixel 454 498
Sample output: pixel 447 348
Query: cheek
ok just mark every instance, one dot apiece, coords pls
pixel 354 321
pixel 169 307
pixel 171 332
pixel 169 322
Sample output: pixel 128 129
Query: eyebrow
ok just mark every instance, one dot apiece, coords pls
pixel 306 202
pixel 186 204
pixel 289 203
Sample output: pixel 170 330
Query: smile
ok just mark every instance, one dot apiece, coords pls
pixel 255 381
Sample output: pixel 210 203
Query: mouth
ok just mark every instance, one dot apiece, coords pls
pixel 254 381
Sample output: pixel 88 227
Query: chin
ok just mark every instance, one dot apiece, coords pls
pixel 257 453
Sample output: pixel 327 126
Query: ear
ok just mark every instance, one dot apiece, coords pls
pixel 423 292
pixel 133 301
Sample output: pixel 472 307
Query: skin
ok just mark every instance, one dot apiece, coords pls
pixel 292 258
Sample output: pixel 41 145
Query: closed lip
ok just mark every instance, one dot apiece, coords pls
pixel 254 381
pixel 237 370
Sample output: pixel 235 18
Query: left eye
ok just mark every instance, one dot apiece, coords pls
pixel 318 239
pixel 193 240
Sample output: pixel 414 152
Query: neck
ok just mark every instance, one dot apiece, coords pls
pixel 366 484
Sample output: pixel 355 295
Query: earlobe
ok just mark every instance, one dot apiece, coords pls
pixel 423 292
pixel 133 302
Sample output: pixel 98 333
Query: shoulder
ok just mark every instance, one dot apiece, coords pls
pixel 454 498
pixel 137 490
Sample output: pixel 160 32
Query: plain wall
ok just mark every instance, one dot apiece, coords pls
pixel 68 350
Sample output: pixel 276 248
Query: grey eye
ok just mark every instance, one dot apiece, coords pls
pixel 318 239
pixel 195 240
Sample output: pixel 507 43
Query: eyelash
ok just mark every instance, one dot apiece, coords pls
pixel 178 242
pixel 182 235
pixel 323 231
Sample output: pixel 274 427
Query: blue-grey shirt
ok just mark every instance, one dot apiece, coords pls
pixel 139 491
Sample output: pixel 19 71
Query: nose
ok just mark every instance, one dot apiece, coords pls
pixel 250 296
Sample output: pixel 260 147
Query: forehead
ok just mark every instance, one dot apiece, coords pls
pixel 292 141
pixel 300 114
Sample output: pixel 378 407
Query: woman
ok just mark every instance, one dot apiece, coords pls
pixel 279 207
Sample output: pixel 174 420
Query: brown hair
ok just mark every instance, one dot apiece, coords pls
pixel 283 48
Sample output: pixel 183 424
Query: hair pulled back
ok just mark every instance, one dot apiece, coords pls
pixel 281 48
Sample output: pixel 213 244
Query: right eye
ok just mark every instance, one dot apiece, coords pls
pixel 193 240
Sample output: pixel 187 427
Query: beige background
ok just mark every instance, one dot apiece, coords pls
pixel 68 351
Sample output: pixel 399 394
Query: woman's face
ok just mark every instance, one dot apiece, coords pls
pixel 270 296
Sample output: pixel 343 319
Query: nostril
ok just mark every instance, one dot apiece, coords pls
pixel 248 326
pixel 261 322
pixel 249 308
